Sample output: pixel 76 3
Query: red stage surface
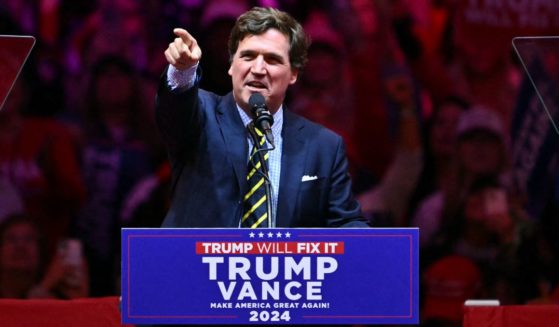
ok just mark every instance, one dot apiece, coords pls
pixel 92 312
pixel 512 316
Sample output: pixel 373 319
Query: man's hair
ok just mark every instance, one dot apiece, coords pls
pixel 258 20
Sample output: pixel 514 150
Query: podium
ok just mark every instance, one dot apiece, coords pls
pixel 270 276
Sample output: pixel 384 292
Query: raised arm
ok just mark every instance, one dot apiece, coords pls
pixel 179 117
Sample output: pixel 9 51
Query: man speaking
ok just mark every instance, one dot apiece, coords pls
pixel 243 160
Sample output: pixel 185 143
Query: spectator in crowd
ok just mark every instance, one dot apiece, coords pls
pixel 481 152
pixel 373 56
pixel 439 144
pixel 323 93
pixel 447 284
pixel 454 53
pixel 482 71
pixel 39 159
pixel 25 271
pixel 490 229
pixel 116 154
pixel 115 28
pixel 385 204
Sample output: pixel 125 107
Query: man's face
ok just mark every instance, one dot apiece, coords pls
pixel 261 65
pixel 19 250
pixel 481 152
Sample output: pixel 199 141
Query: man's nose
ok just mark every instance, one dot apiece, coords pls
pixel 259 66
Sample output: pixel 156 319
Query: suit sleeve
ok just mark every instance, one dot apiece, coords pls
pixel 179 118
pixel 344 210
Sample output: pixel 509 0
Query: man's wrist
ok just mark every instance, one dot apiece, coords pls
pixel 181 79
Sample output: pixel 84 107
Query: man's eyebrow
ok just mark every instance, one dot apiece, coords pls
pixel 267 55
pixel 274 56
pixel 247 52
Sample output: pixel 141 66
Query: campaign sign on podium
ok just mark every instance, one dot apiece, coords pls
pixel 270 276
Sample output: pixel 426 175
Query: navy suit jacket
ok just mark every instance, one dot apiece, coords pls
pixel 208 149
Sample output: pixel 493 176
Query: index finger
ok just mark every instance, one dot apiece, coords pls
pixel 184 35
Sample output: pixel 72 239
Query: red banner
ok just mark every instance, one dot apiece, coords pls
pixel 269 247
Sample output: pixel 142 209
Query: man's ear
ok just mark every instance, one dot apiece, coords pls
pixel 294 75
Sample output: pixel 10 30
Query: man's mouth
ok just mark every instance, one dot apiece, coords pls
pixel 256 85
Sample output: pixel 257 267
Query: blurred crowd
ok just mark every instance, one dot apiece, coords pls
pixel 429 96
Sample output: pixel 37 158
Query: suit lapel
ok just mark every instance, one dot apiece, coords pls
pixel 235 138
pixel 292 167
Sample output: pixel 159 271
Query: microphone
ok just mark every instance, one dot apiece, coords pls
pixel 263 119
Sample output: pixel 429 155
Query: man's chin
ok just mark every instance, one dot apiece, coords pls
pixel 253 90
pixel 248 92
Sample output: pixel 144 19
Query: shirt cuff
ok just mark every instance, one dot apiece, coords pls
pixel 181 79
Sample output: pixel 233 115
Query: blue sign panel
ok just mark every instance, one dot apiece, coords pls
pixel 270 276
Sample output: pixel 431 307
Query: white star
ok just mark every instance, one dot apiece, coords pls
pixel 278 235
pixel 288 234
pixel 260 234
pixel 270 235
pixel 251 235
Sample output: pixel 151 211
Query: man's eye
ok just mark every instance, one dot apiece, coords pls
pixel 274 60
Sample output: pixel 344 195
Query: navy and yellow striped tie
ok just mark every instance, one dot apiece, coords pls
pixel 255 213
